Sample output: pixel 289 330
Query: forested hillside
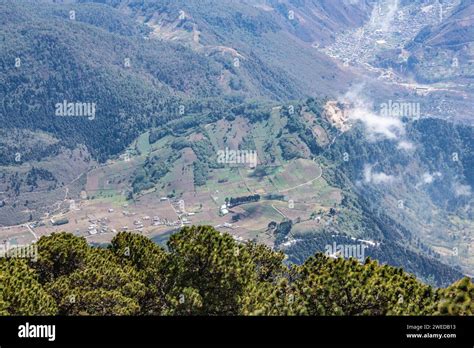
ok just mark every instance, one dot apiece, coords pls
pixel 204 272
pixel 95 54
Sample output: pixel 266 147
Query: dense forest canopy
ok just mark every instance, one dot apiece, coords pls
pixel 205 272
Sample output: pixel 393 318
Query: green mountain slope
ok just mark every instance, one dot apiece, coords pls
pixel 102 57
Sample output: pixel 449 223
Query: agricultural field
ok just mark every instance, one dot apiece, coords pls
pixel 34 190
pixel 106 201
pixel 103 208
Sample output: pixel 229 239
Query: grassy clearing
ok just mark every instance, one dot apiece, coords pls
pixel 142 144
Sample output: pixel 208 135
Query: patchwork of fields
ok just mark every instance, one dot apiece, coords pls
pixel 292 189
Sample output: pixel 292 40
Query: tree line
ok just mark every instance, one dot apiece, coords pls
pixel 205 272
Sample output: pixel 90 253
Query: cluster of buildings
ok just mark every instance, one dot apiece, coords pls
pixel 99 226
pixel 102 225
pixel 225 225
pixel 391 26
pixel 224 210
pixel 141 222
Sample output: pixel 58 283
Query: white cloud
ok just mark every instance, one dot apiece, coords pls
pixel 383 14
pixel 376 177
pixel 462 190
pixel 429 178
pixel 405 145
pixel 377 126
